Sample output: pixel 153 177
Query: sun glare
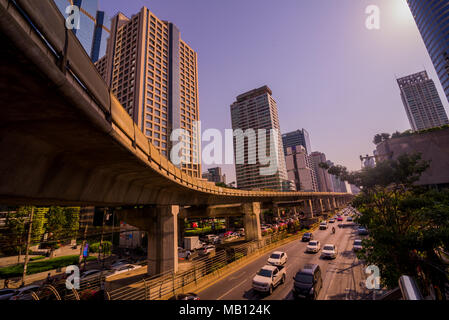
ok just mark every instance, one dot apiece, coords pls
pixel 401 11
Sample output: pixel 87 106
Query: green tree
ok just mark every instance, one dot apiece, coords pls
pixel 15 231
pixel 72 216
pixel 55 226
pixel 38 228
pixel 407 224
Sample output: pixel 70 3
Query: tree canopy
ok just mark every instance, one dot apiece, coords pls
pixel 408 224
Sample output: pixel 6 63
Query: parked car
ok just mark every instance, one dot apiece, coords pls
pixel 185 296
pixel 308 282
pixel 362 231
pixel 90 274
pixel 357 245
pixel 241 231
pixel 119 262
pixel 5 294
pixel 307 237
pixel 207 249
pixel 183 253
pixel 349 219
pixel 24 293
pixel 277 258
pixel 314 246
pixel 210 238
pixel 123 269
pixel 323 225
pixel 329 251
pixel 268 278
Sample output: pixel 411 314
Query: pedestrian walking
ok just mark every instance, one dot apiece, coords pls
pixel 6 284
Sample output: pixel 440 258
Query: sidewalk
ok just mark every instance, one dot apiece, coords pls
pixel 38 278
pixel 13 260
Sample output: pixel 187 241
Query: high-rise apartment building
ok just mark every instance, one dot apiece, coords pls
pixel 322 176
pixel 431 17
pixel 154 75
pixel 338 185
pixel 214 175
pixel 256 109
pixel 296 138
pixel 94 26
pixel 300 169
pixel 421 102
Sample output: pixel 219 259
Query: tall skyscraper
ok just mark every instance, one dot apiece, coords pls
pixel 214 175
pixel 421 102
pixel 338 185
pixel 94 26
pixel 154 75
pixel 256 109
pixel 322 176
pixel 433 24
pixel 296 138
pixel 300 169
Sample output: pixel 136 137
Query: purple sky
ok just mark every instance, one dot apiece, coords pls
pixel 328 73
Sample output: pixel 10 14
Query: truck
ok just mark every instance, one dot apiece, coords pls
pixel 268 278
pixel 192 243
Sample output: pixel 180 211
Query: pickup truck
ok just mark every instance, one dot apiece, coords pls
pixel 268 278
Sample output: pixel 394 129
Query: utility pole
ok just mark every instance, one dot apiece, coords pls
pixel 25 265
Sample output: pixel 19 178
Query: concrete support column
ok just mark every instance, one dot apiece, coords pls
pixel 161 223
pixel 318 205
pixel 163 240
pixel 252 221
pixel 327 205
pixel 308 208
pixel 333 203
pixel 181 227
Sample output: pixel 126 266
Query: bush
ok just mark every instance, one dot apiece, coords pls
pixel 37 258
pixel 41 266
pixel 239 255
pixel 197 231
pixel 95 247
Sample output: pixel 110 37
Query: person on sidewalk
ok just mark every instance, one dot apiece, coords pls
pixel 48 280
pixel 6 284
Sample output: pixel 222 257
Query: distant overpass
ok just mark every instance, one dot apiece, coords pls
pixel 66 140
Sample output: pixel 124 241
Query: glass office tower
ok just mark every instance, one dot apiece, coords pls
pixel 94 25
pixel 432 19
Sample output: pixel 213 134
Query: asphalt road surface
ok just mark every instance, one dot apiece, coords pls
pixel 343 277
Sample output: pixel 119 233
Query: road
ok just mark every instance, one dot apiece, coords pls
pixel 343 277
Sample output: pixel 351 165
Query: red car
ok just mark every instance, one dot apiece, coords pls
pixel 340 218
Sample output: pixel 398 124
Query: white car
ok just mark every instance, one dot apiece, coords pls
pixel 119 263
pixel 268 278
pixel 313 246
pixel 207 249
pixel 323 225
pixel 90 273
pixel 278 258
pixel 123 269
pixel 357 245
pixel 329 251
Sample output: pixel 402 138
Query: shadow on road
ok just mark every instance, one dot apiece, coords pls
pixel 253 295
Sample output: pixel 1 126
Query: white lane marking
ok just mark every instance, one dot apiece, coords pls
pixel 235 287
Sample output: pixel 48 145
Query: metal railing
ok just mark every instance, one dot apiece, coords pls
pixel 167 284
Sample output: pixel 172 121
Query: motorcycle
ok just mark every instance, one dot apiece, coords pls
pixel 333 230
